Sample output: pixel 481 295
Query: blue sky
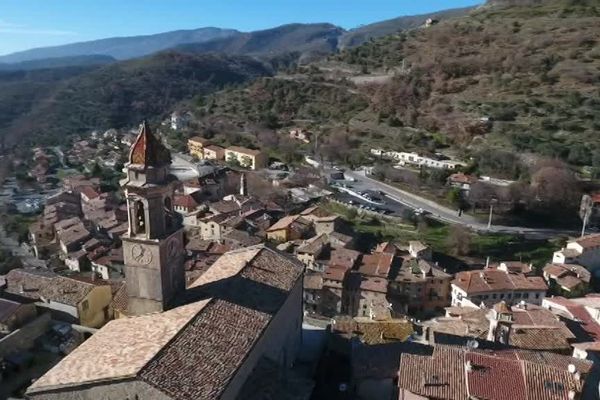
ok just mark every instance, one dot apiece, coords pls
pixel 26 24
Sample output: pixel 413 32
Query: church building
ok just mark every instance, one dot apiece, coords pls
pixel 209 341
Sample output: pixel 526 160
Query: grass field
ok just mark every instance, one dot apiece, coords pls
pixel 443 238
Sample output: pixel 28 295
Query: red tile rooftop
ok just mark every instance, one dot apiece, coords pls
pixel 492 280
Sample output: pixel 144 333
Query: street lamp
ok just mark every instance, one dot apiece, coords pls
pixel 492 202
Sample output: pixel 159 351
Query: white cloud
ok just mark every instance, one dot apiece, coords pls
pixel 18 29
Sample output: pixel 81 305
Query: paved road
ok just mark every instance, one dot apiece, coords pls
pixel 442 213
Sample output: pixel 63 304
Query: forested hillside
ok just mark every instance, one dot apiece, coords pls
pixel 506 77
pixel 118 95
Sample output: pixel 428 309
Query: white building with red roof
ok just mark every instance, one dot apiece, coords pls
pixel 489 286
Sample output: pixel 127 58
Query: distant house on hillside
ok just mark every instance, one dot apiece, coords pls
pixel 179 120
pixel 300 134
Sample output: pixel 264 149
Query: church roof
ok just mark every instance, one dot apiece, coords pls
pixel 192 351
pixel 147 150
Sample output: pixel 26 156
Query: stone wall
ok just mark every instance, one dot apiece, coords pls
pixel 280 342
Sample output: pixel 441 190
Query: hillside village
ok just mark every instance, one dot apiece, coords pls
pixel 269 240
pixel 232 207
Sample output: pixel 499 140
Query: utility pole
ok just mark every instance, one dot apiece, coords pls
pixel 585 211
pixel 586 218
pixel 489 225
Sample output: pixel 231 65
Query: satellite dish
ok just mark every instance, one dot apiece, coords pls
pixel 472 344
pixel 571 368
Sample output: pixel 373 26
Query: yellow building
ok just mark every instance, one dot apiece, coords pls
pixel 213 152
pixel 67 299
pixel 288 228
pixel 247 158
pixel 196 146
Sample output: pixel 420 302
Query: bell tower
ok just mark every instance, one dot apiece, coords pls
pixel 153 246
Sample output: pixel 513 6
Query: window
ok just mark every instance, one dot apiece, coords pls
pixel 494 296
pixel 525 295
pixel 537 295
pixel 501 295
pixel 85 305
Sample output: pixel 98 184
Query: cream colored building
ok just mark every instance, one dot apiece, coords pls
pixel 68 299
pixel 196 146
pixel 247 158
pixel 214 152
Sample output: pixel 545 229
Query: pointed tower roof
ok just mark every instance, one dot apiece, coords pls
pixel 147 150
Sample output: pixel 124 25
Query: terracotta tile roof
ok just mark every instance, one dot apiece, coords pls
pixel 99 358
pixel 199 139
pixel 228 265
pixel 589 241
pixel 242 238
pixel 193 351
pixel 214 148
pixel 462 178
pixel 283 223
pixel 120 301
pixel 224 206
pixel 244 150
pixel 201 360
pixel 45 286
pixel 555 270
pixel 579 313
pixel 186 201
pixel 377 264
pixel 460 373
pixel 440 376
pixel 495 378
pixel 73 234
pixel 373 284
pixel 516 267
pixel 493 280
pixel 569 282
pixel 147 150
pixel 313 245
pixel 568 276
pixel 386 247
pixel 88 191
pixel 334 274
pixel 542 339
pixel 545 383
pixel 313 281
pixel 344 258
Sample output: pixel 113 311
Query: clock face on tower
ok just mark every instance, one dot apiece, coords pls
pixel 141 254
pixel 173 248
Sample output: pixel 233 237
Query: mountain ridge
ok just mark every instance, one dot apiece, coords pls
pixel 121 48
pixel 127 47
